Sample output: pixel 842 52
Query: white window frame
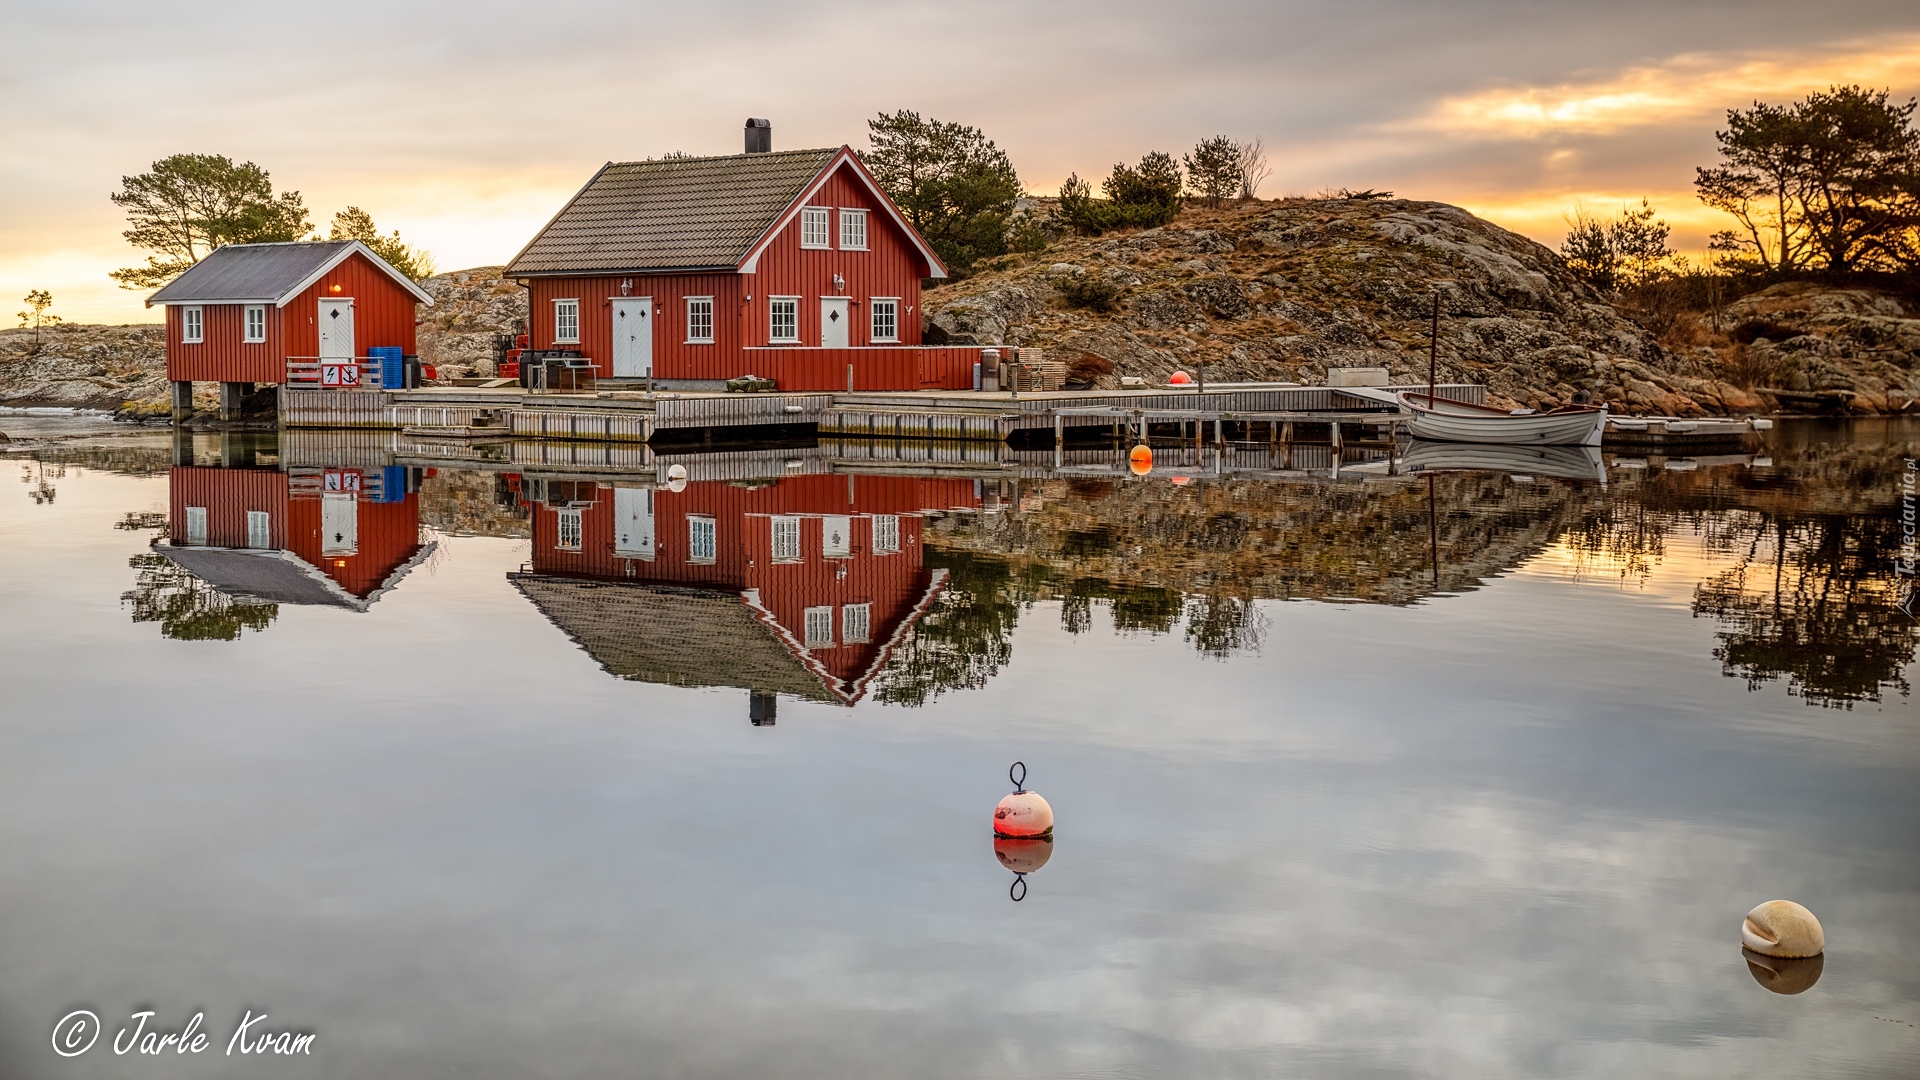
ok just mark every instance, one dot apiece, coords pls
pixel 197 526
pixel 856 624
pixel 886 534
pixel 815 226
pixel 253 324
pixel 816 627
pixel 891 304
pixel 259 530
pixel 699 310
pixel 567 526
pixel 853 230
pixel 703 539
pixel 774 304
pixel 193 325
pixel 785 539
pixel 562 311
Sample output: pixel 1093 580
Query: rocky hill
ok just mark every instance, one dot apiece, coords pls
pixel 83 365
pixel 470 308
pixel 1284 290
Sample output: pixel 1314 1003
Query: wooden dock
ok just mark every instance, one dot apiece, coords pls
pixel 630 416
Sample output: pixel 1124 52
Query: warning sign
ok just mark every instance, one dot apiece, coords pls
pixel 340 375
pixel 341 480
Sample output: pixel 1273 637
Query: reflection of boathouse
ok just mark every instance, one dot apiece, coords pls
pixel 332 536
pixel 800 586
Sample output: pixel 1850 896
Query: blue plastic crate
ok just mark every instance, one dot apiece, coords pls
pixel 392 370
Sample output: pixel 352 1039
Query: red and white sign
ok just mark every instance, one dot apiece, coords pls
pixel 341 480
pixel 343 375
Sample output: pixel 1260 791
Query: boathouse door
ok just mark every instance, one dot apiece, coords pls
pixel 833 322
pixel 339 524
pixel 633 523
pixel 336 327
pixel 632 337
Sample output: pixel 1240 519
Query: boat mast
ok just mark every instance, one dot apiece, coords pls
pixel 1433 349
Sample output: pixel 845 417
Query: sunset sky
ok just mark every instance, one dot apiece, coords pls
pixel 466 125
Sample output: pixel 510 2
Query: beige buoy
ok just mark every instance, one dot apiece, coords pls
pixel 1785 974
pixel 1023 815
pixel 1783 928
pixel 677 478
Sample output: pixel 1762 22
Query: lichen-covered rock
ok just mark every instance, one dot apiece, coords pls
pixel 83 365
pixel 1286 289
pixel 471 310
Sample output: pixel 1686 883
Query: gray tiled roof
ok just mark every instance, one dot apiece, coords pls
pixel 258 576
pixel 258 272
pixel 678 214
pixel 671 634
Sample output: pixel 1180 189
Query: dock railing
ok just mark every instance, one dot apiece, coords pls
pixel 335 372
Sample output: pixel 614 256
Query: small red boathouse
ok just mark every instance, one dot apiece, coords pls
pixel 244 313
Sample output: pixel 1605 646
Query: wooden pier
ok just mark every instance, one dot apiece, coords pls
pixel 631 416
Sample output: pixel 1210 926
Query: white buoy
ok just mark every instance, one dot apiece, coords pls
pixel 1023 815
pixel 1783 928
pixel 676 478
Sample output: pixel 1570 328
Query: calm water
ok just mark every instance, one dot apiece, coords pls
pixel 455 766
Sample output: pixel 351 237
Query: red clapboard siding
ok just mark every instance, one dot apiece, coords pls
pixel 383 314
pixel 389 534
pixel 227 495
pixel 890 583
pixel 891 266
pixel 926 367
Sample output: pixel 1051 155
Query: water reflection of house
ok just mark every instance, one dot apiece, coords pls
pixel 800 586
pixel 336 536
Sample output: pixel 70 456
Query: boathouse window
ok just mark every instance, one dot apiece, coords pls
pixel 259 534
pixel 886 318
pixel 566 322
pixel 786 539
pixel 256 320
pixel 783 326
pixel 853 230
pixel 196 525
pixel 190 326
pixel 855 619
pixel 700 542
pixel 819 624
pixel 569 532
pixel 699 320
pixel 813 227
pixel 886 533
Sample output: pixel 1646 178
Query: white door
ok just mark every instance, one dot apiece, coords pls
pixel 339 525
pixel 836 536
pixel 633 522
pixel 336 328
pixel 632 337
pixel 833 322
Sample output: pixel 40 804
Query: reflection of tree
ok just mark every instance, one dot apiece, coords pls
pixel 187 608
pixel 1220 626
pixel 1812 600
pixel 964 639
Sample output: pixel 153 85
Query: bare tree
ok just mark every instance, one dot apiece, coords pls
pixel 1253 168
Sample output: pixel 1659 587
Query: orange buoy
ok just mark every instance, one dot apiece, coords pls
pixel 1179 378
pixel 1023 856
pixel 1140 460
pixel 1182 481
pixel 1023 815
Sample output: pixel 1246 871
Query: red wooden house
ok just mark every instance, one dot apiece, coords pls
pixel 335 537
pixel 792 265
pixel 239 316
pixel 801 587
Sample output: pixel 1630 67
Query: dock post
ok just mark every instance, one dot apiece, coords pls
pixel 1059 439
pixel 1336 438
pixel 849 378
pixel 182 400
pixel 233 397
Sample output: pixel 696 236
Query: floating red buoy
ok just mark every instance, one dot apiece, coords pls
pixel 1140 460
pixel 1022 856
pixel 1023 815
pixel 1180 378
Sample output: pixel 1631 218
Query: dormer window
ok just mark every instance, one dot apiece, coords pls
pixel 256 324
pixel 853 230
pixel 813 227
pixel 191 328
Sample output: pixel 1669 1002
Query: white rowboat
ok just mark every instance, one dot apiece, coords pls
pixel 1440 420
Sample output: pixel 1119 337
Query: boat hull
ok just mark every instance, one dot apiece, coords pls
pixel 1466 424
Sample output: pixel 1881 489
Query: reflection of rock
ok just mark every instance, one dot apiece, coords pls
pixel 1023 856
pixel 1784 974
pixel 1783 928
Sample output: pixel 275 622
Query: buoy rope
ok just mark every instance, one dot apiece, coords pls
pixel 1020 782
pixel 1019 882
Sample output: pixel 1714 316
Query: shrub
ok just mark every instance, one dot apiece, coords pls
pixel 1091 291
pixel 1138 197
pixel 1213 170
